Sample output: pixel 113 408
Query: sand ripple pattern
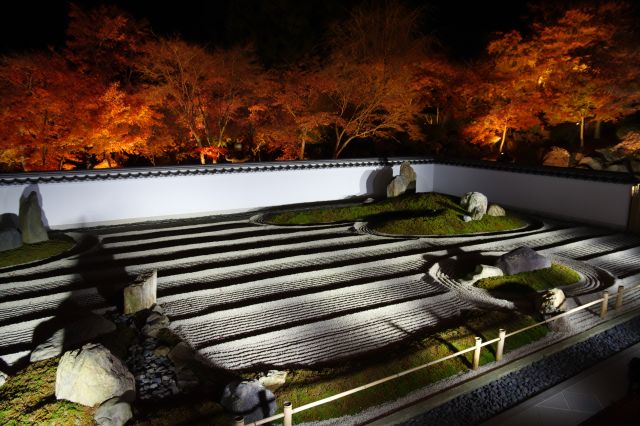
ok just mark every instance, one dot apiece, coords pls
pixel 245 293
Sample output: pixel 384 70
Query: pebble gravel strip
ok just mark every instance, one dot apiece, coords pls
pixel 487 401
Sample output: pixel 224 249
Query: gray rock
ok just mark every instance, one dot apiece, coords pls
pixel 556 157
pixel 620 168
pixel 161 351
pixel 113 412
pixel 249 399
pixel 591 163
pixel 273 379
pixel 155 323
pixel 9 220
pixel 10 239
pixel 475 203
pixel 92 375
pixel 31 220
pixel 142 293
pixel 466 218
pixel 71 336
pixel 397 186
pixel 3 378
pixel 522 259
pixel 409 174
pixel 495 210
pixel 550 301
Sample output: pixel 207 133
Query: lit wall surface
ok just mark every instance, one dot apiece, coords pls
pixel 84 198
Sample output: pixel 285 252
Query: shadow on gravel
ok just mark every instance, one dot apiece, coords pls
pixel 73 322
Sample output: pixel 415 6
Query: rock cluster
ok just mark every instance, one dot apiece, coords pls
pixel 404 182
pixel 154 373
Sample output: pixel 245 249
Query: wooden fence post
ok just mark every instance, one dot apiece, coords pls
pixel 619 297
pixel 502 335
pixel 288 414
pixel 238 421
pixel 476 353
pixel 605 304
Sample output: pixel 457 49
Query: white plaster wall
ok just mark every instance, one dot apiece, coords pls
pixel 83 203
pixel 589 201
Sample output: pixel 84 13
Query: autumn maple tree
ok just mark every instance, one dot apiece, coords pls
pixel 368 77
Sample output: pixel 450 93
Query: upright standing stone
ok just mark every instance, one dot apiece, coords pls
pixel 409 174
pixel 397 186
pixel 142 293
pixel 31 223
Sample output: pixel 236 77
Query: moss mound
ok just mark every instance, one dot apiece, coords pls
pixel 413 214
pixel 555 276
pixel 33 252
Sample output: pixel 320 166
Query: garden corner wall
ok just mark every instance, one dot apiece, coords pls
pixel 94 197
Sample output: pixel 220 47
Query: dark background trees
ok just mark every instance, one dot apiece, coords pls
pixel 108 84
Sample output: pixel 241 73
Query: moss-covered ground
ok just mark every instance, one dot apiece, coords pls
pixel 411 214
pixel 555 276
pixel 32 252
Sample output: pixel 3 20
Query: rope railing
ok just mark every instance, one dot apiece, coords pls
pixel 289 411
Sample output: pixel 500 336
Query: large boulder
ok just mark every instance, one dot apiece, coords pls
pixel 72 335
pixel 3 378
pixel 475 203
pixel 31 220
pixel 10 239
pixel 142 293
pixel 397 186
pixel 522 259
pixel 249 399
pixel 409 174
pixel 550 301
pixel 495 210
pixel 92 375
pixel 113 412
pixel 556 157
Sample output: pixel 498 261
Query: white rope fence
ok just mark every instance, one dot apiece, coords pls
pixel 289 411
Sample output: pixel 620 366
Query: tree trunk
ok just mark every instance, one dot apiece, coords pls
pixel 504 137
pixel 581 133
pixel 437 115
pixel 598 130
pixel 202 159
pixel 302 146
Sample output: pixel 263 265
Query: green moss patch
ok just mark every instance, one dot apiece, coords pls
pixel 32 252
pixel 555 276
pixel 305 386
pixel 413 214
pixel 28 398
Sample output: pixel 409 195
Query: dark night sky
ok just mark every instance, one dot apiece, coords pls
pixel 289 26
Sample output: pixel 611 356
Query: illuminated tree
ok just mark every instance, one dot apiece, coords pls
pixel 105 42
pixel 204 90
pixel 368 78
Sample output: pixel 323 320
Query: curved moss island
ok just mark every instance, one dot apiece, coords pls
pixel 28 253
pixel 413 214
